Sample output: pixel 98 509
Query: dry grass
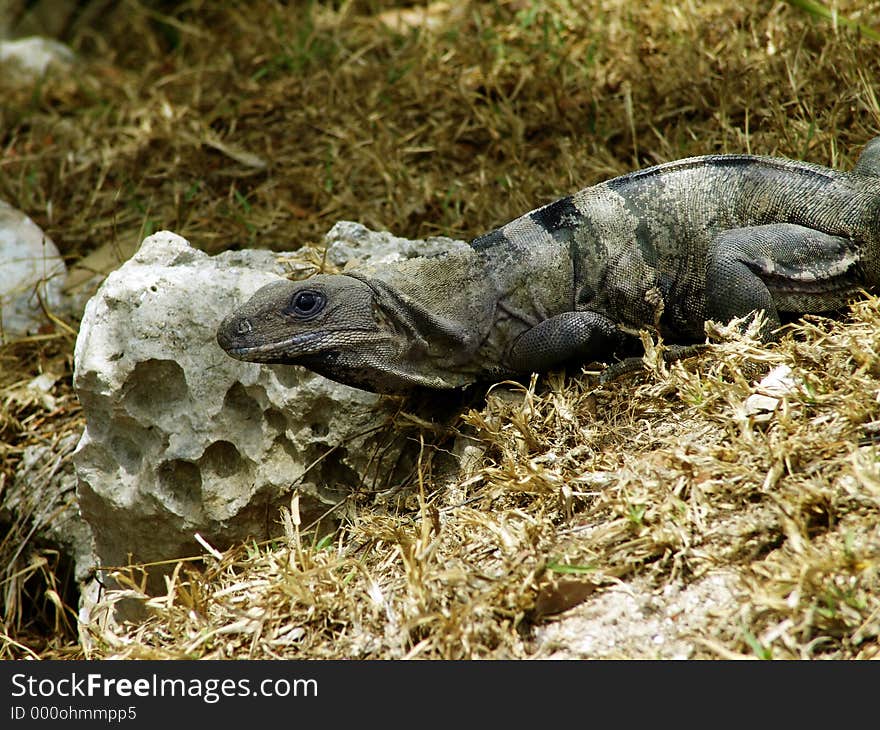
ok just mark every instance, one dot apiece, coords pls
pixel 575 488
pixel 261 125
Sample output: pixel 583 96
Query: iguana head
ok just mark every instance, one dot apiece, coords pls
pixel 345 328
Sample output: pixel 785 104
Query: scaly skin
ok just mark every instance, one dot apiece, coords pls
pixel 665 248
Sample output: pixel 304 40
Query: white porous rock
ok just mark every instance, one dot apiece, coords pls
pixel 31 274
pixel 181 438
pixel 350 243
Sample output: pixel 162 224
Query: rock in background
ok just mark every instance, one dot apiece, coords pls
pixel 26 59
pixel 183 439
pixel 31 274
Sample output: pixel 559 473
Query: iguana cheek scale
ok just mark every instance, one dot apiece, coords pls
pixel 667 247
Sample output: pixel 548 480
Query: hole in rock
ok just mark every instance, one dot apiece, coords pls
pixel 182 481
pixel 276 420
pixel 127 453
pixel 241 406
pixel 156 389
pixel 222 459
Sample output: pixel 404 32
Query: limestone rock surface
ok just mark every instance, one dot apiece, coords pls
pixel 181 439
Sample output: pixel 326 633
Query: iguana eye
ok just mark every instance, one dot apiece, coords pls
pixel 306 303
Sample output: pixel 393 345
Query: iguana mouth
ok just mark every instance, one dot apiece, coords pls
pixel 296 341
pixel 301 345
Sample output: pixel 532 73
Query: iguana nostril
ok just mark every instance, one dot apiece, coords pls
pixel 243 327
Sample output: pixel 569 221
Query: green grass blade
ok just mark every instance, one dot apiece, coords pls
pixel 818 10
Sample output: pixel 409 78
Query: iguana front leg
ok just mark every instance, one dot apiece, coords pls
pixel 567 337
pixel 778 267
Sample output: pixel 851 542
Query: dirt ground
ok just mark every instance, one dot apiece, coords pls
pixel 661 515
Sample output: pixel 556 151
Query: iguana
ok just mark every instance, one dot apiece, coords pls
pixel 667 247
